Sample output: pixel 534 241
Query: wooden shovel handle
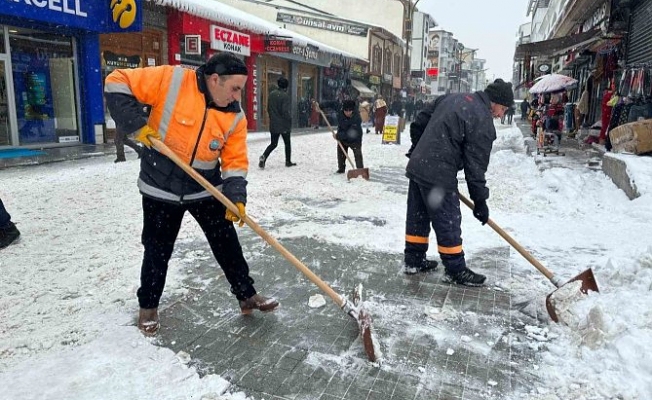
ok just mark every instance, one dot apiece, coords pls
pixel 514 244
pixel 163 149
pixel 338 142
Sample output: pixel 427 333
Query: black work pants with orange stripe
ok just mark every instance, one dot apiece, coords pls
pixel 161 224
pixel 442 211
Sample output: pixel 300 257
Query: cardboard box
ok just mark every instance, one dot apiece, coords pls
pixel 634 137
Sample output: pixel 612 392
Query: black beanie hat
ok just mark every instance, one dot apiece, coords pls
pixel 500 92
pixel 348 105
pixel 225 64
pixel 282 83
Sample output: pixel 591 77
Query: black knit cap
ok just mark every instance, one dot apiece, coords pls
pixel 348 105
pixel 282 83
pixel 500 92
pixel 225 64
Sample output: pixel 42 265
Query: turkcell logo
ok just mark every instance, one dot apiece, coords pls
pixel 124 12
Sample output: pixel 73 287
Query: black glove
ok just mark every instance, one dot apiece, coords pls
pixel 481 211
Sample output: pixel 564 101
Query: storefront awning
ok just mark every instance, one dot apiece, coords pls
pixel 221 12
pixel 362 88
pixel 552 47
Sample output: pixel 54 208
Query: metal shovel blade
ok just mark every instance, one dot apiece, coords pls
pixel 364 323
pixel 588 283
pixel 354 173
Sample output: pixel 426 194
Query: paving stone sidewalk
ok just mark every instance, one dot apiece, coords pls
pixel 439 341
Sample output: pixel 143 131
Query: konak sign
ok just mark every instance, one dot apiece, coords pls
pixel 223 39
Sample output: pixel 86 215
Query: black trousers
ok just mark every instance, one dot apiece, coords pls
pixel 442 210
pixel 274 144
pixel 357 155
pixel 161 223
pixel 5 218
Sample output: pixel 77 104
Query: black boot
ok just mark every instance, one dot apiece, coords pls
pixel 425 266
pixel 8 235
pixel 261 162
pixel 290 164
pixel 465 277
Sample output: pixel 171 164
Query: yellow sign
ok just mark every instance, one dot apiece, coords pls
pixel 390 131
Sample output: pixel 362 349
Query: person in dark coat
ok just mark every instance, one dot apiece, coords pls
pixel 8 231
pixel 349 134
pixel 280 122
pixel 525 108
pixel 454 132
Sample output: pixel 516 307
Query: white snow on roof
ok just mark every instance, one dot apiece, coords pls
pixel 223 13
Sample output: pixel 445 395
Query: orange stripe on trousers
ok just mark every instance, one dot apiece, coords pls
pixel 416 239
pixel 450 250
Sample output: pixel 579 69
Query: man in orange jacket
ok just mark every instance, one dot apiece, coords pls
pixel 196 114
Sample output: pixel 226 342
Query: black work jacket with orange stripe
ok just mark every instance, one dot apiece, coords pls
pixel 457 132
pixel 212 139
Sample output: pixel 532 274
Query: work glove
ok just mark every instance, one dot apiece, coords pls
pixel 144 133
pixel 481 211
pixel 230 215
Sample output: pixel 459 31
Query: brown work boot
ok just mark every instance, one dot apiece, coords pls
pixel 258 302
pixel 148 321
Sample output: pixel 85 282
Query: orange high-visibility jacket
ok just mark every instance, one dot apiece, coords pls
pixel 201 133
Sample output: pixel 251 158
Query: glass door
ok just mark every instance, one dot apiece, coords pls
pixel 6 131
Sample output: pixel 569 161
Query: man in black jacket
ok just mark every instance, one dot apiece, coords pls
pixel 349 134
pixel 280 122
pixel 453 133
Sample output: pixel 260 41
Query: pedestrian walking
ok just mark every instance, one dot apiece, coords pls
pixel 380 111
pixel 365 114
pixel 452 133
pixel 8 231
pixel 197 114
pixel 349 134
pixel 314 114
pixel 280 122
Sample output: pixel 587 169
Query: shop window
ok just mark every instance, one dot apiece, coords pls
pixel 43 67
pixel 2 39
pixel 377 60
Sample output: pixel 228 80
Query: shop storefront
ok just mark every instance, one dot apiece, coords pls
pixel 192 40
pixel 134 50
pixel 639 48
pixel 50 71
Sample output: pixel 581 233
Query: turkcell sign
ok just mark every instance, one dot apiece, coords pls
pixel 91 15
pixel 223 39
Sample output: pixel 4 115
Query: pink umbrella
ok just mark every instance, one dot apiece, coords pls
pixel 552 83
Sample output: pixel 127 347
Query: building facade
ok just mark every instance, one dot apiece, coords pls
pixel 50 70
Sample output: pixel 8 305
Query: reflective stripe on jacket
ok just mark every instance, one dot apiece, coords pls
pixel 203 135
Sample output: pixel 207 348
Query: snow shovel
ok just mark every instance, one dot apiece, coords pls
pixel 586 278
pixel 353 172
pixel 354 310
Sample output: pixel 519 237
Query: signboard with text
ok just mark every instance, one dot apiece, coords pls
pixel 319 23
pixel 223 39
pixel 391 134
pixel 94 16
pixel 275 44
pixel 432 72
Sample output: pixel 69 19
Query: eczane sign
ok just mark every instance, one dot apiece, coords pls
pixel 223 39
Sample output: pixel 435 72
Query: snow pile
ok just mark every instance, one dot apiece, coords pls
pixel 68 305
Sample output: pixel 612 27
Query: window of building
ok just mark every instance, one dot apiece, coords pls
pixel 377 59
pixel 387 64
pixel 397 64
pixel 43 69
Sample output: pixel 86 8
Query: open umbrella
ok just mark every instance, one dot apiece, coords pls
pixel 552 83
